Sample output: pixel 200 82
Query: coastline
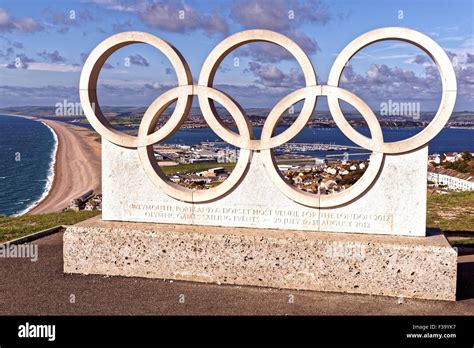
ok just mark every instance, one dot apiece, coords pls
pixel 76 166
pixel 51 174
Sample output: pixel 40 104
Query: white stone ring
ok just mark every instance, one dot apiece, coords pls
pixel 335 199
pixel 90 74
pixel 209 69
pixel 448 80
pixel 147 156
pixel 183 94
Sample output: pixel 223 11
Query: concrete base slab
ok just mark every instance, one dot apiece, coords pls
pixel 411 267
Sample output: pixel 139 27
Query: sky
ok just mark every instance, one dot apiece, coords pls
pixel 43 45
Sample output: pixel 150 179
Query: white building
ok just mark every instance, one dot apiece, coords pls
pixel 451 178
pixel 287 167
pixel 445 157
pixel 452 156
pixel 320 163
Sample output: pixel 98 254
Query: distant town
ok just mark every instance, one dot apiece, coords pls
pixel 447 171
pixel 131 117
pixel 206 165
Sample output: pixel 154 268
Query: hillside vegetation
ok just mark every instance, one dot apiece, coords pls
pixel 454 215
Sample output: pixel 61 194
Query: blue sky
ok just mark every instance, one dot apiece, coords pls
pixel 43 44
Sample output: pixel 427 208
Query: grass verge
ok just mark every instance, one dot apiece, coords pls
pixel 195 167
pixel 16 227
pixel 454 215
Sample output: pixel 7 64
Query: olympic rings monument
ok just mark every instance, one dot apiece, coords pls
pixel 255 228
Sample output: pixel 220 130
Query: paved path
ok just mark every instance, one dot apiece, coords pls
pixel 34 288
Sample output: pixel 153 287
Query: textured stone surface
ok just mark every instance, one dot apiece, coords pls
pixel 394 205
pixel 418 267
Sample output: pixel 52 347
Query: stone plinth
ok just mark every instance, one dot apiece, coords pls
pixel 412 267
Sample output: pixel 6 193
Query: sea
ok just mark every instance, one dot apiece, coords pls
pixel 28 148
pixel 27 156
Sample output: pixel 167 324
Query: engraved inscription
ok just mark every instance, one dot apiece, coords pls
pixel 257 216
pixel 331 221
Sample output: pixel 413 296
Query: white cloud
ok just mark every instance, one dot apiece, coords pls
pixel 50 67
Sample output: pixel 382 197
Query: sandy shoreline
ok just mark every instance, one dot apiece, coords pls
pixel 77 168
